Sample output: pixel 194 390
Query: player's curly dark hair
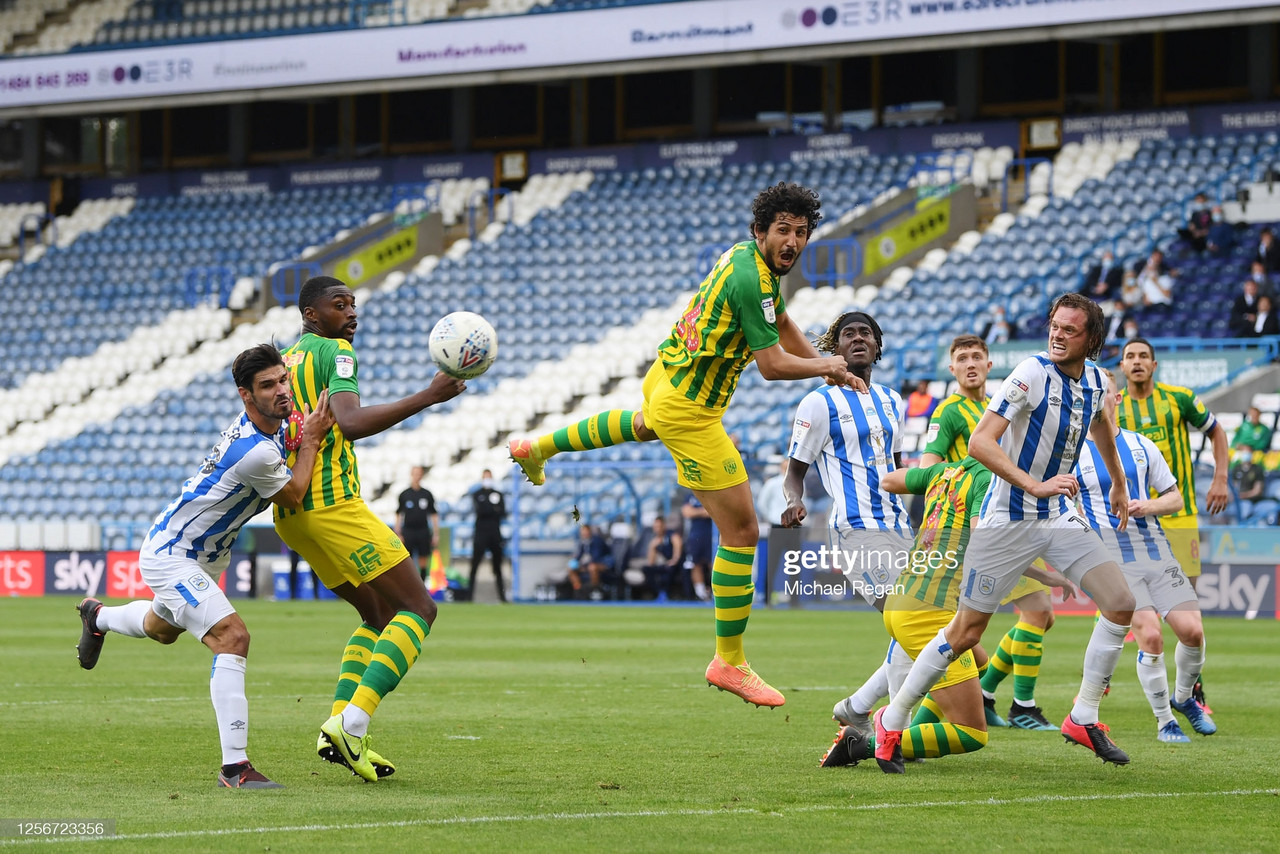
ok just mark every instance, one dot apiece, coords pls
pixel 788 198
pixel 1095 323
pixel 251 361
pixel 827 341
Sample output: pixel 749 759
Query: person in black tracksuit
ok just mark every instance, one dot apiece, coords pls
pixel 490 509
pixel 417 521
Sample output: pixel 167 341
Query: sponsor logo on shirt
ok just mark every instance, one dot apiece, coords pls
pixel 767 306
pixel 344 366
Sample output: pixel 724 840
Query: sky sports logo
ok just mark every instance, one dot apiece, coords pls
pixel 852 13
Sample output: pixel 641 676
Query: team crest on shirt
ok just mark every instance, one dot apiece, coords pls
pixel 767 306
pixel 1139 457
pixel 344 366
pixel 199 581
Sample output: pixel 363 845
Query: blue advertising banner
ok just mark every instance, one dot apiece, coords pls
pixel 1237 590
pixel 417 170
pixel 23 192
pixel 831 146
pixel 939 137
pixel 1149 124
pixel 75 573
pixel 139 187
pixel 203 183
pixel 620 158
pixel 706 154
pixel 1237 118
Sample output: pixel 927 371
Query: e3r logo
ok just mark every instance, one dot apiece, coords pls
pixel 366 559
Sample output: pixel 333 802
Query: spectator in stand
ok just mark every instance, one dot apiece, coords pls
pixel 1265 321
pixel 1247 477
pixel 1268 253
pixel 1222 234
pixel 998 331
pixel 920 404
pixel 1155 280
pixel 1102 280
pixel 1244 311
pixel 1199 219
pixel 1130 291
pixel 1258 273
pixel 594 556
pixel 1253 433
pixel 666 551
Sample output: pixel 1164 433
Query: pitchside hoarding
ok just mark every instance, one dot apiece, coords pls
pixel 102 574
pixel 563 39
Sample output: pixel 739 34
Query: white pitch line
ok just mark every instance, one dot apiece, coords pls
pixel 593 816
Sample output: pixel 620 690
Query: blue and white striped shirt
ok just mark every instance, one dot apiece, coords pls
pixel 1049 414
pixel 852 437
pixel 1145 470
pixel 233 485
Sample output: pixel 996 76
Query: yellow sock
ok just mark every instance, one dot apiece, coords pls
pixel 732 590
pixel 599 431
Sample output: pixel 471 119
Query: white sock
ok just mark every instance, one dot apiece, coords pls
pixel 700 590
pixel 934 660
pixel 124 619
pixel 876 687
pixel 1026 704
pixel 899 666
pixel 230 706
pixel 355 720
pixel 1189 661
pixel 989 695
pixel 1100 659
pixel 1155 682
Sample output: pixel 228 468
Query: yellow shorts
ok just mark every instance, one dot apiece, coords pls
pixel 1027 586
pixel 913 624
pixel 1184 539
pixel 694 435
pixel 344 543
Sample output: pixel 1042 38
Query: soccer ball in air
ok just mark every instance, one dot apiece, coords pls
pixel 463 344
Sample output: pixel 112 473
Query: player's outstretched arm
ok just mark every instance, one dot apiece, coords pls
pixel 1218 495
pixel 793 491
pixel 895 481
pixel 984 446
pixel 357 422
pixel 315 426
pixel 793 340
pixel 776 363
pixel 1103 433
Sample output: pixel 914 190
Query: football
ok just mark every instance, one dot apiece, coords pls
pixel 463 344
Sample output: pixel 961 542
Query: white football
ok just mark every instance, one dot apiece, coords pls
pixel 463 344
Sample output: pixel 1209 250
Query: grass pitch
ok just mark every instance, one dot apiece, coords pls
pixel 567 728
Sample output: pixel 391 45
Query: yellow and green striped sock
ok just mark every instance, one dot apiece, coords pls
pixel 1001 664
pixel 355 659
pixel 599 431
pixel 1028 650
pixel 732 590
pixel 398 647
pixel 928 713
pixel 930 741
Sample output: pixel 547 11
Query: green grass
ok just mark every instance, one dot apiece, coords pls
pixel 558 728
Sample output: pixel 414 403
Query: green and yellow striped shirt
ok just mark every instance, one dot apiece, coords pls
pixel 952 424
pixel 953 497
pixel 1163 418
pixel 315 364
pixel 733 314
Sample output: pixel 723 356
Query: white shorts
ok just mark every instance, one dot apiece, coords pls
pixel 999 552
pixel 186 595
pixel 871 561
pixel 1162 586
